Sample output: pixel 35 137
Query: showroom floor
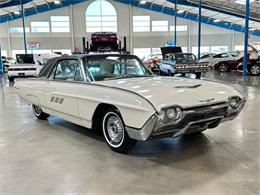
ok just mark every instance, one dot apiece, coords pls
pixel 57 157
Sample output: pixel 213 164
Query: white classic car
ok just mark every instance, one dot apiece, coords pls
pixel 118 95
pixel 27 65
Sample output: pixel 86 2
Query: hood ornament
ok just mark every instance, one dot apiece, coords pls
pixel 207 100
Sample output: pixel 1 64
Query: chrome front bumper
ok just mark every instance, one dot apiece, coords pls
pixel 194 120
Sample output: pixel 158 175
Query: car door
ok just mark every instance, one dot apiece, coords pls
pixel 62 89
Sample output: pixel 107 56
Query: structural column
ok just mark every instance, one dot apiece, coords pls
pixel 199 31
pixel 72 28
pixel 246 38
pixel 175 24
pixel 130 29
pixel 24 33
pixel 1 62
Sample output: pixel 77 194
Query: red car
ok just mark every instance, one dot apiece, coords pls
pixel 228 65
pixel 104 41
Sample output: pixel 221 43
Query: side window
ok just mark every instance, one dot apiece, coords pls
pixel 66 69
pixel 78 74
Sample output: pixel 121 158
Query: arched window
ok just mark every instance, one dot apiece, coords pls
pixel 101 17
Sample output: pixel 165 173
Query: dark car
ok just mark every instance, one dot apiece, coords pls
pixel 181 63
pixel 104 41
pixel 253 67
pixel 228 65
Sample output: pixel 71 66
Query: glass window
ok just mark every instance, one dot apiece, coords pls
pixel 14 52
pixel 40 27
pixel 141 23
pixel 101 16
pixel 203 49
pixel 142 52
pixel 79 74
pixel 156 51
pixel 159 26
pixel 219 49
pixel 115 67
pixel 19 29
pixel 62 51
pixel 178 28
pixel 222 55
pixel 181 58
pixel 41 51
pixel 3 53
pixel 184 49
pixel 239 47
pixel 60 24
pixel 65 70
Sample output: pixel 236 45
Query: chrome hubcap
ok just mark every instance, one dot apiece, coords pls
pixel 255 70
pixel 115 129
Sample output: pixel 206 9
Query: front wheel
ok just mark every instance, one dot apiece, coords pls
pixel 115 133
pixel 39 113
pixel 254 70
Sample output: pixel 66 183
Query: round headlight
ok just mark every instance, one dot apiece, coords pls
pixel 174 113
pixel 234 103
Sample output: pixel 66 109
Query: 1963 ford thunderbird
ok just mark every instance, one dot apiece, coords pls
pixel 118 95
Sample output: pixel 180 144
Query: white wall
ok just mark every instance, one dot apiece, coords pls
pixel 211 36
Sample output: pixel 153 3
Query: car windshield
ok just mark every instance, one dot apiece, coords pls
pixel 106 67
pixel 184 58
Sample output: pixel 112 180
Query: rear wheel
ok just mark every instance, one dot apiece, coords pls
pixel 223 67
pixel 254 70
pixel 39 113
pixel 115 133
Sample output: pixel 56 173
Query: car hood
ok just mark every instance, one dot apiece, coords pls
pixel 167 91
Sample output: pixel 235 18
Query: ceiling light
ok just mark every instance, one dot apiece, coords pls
pixel 243 2
pixel 180 11
pixel 217 20
pixel 142 2
pixel 56 2
pixel 16 12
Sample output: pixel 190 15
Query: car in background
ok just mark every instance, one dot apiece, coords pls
pixel 206 55
pixel 27 65
pixel 119 96
pixel 6 63
pixel 181 63
pixel 223 61
pixel 153 60
pixel 253 65
pixel 100 41
pixel 228 65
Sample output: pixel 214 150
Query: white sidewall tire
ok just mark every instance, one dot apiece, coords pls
pixel 105 132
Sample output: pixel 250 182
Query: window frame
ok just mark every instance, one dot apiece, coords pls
pixel 53 21
pixel 54 68
pixel 102 21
